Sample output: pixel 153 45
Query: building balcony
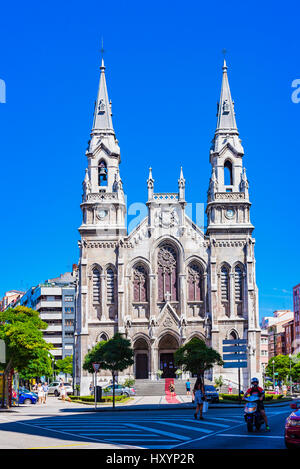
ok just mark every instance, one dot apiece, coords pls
pixel 48 304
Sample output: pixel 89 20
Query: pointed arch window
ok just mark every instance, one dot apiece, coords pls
pixel 224 283
pixel 233 335
pixel 102 337
pixel 102 173
pixel 140 284
pixel 167 273
pixel 110 286
pixel 238 283
pixel 228 180
pixel 195 282
pixel 96 286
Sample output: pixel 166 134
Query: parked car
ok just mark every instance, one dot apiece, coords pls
pixel 27 397
pixel 120 390
pixel 211 393
pixel 292 427
pixel 54 388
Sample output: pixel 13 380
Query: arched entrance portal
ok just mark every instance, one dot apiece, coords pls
pixel 141 359
pixel 168 345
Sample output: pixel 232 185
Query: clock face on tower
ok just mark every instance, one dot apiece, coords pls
pixel 229 213
pixel 101 214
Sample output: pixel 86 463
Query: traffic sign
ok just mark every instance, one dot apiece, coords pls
pixel 235 341
pixel 235 348
pixel 96 367
pixel 235 365
pixel 235 356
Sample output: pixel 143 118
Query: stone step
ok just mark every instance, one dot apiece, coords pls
pixel 145 387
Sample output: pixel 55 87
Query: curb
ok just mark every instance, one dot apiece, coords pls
pixel 168 407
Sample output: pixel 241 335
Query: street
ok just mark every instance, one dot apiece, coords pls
pixel 69 425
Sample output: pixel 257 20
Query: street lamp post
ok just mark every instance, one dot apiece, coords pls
pixel 291 383
pixel 273 363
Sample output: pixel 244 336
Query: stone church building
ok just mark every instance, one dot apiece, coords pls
pixel 167 281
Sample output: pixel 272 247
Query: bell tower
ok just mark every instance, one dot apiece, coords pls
pixel 228 205
pixel 233 292
pixel 103 202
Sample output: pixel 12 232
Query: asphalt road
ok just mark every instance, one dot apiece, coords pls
pixel 64 425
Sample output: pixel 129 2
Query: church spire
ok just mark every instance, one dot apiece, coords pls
pixel 226 115
pixel 102 115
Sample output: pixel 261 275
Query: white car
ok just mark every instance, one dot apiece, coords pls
pixel 54 388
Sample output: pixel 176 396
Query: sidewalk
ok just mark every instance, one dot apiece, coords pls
pixel 150 403
pixel 143 403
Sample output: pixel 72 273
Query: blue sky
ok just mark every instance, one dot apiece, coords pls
pixel 163 69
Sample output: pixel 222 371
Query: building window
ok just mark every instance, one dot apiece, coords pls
pixel 238 283
pixel 167 273
pixel 195 279
pixel 102 173
pixel 224 284
pixel 69 298
pixel 139 284
pixel 110 286
pixel 96 286
pixel 228 173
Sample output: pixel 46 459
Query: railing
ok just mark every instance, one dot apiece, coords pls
pixel 165 196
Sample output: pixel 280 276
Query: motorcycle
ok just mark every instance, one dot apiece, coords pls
pixel 251 413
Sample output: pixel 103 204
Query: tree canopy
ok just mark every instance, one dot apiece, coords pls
pixel 115 355
pixel 196 357
pixel 65 365
pixel 282 364
pixel 21 328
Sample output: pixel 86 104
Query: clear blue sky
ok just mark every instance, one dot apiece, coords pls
pixel 163 68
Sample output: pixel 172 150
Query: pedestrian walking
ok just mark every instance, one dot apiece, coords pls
pixel 172 389
pixel 62 391
pixel 199 397
pixel 188 387
pixel 284 390
pixel 45 389
pixel 40 393
pixel 229 389
pixel 91 389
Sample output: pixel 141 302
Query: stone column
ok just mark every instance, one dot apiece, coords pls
pixel 231 295
pixel 154 360
pixel 182 293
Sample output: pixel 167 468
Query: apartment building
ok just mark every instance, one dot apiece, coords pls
pixel 55 301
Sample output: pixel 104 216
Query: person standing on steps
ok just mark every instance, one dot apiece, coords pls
pixel 188 387
pixel 172 389
pixel 199 397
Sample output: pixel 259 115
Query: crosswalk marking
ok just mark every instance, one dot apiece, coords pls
pixel 250 436
pixel 187 427
pixel 118 434
pixel 204 422
pixel 160 432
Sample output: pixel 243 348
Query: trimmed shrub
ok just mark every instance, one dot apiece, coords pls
pixel 92 398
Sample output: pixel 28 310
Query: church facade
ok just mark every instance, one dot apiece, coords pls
pixel 167 281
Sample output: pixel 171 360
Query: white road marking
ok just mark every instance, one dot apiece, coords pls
pixel 112 437
pixel 187 427
pixel 160 432
pixel 249 436
pixel 204 422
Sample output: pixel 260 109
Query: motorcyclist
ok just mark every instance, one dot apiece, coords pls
pixel 255 390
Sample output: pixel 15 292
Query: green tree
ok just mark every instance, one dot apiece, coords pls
pixel 219 382
pixel 115 355
pixel 65 365
pixel 281 366
pixel 21 329
pixel 41 365
pixel 196 357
